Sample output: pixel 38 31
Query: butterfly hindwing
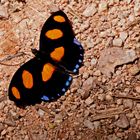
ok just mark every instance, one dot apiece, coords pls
pixel 37 80
pixel 58 41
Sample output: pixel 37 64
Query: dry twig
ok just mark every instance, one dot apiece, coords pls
pixel 127 97
pixel 106 115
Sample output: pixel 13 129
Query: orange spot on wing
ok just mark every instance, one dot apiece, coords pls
pixel 59 18
pixel 27 79
pixel 15 92
pixel 54 34
pixel 58 53
pixel 47 72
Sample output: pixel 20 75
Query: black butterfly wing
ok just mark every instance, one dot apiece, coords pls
pixel 57 40
pixel 37 80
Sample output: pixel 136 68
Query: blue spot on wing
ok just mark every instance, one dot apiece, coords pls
pixel 77 66
pixel 70 78
pixel 63 89
pixel 76 42
pixel 80 61
pixel 67 83
pixel 81 51
pixel 75 70
pixel 45 98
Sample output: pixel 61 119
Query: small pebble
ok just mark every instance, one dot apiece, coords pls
pixel 90 10
pixel 3 12
pixel 41 112
pixel 90 43
pixel 72 133
pixel 137 88
pixel 108 98
pixel 102 6
pixel 86 113
pixel 85 26
pixel 2 33
pixel 131 18
pixel 134 70
pixel 130 115
pixel 10 122
pixel 3 1
pixel 3 132
pixel 101 97
pixel 1 127
pixel 104 79
pixel 123 36
pixel 96 124
pixel 85 75
pixel 117 42
pixel 138 106
pixel 119 101
pixel 93 61
pixel 88 84
pixel 122 122
pixel 112 137
pixel 132 136
pixel 137 8
pixel 89 124
pixel 89 101
pixel 84 95
pixel 128 103
pixel 133 122
pixel 137 115
pixel 9 129
pixel 2 105
pixel 58 118
pixel 97 73
pixel 26 137
pixel 79 137
pixel 128 1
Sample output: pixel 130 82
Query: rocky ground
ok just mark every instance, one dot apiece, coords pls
pixel 103 102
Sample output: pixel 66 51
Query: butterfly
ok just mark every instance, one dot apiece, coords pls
pixel 47 76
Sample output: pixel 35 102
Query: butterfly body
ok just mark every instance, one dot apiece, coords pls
pixel 47 75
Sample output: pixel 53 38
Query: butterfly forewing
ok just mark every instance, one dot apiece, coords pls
pixel 58 41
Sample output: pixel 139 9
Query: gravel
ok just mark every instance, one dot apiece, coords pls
pixel 103 101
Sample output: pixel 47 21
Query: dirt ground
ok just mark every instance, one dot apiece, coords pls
pixel 103 102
